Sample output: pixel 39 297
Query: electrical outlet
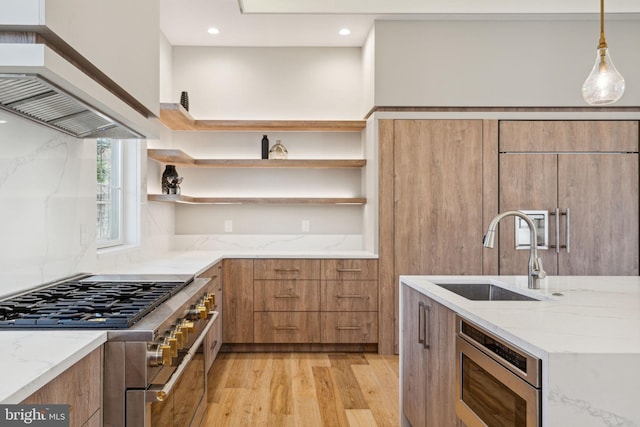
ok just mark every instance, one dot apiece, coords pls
pixel 228 226
pixel 305 225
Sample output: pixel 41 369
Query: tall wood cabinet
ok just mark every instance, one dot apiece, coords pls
pixel 588 172
pixel 437 181
pixel 428 361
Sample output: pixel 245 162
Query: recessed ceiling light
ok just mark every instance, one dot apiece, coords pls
pixel 344 32
pixel 213 30
pixel 2 122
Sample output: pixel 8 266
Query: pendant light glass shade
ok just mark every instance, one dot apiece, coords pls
pixel 604 85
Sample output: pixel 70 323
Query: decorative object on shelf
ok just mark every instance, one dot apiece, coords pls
pixel 184 100
pixel 604 85
pixel 265 147
pixel 170 180
pixel 278 151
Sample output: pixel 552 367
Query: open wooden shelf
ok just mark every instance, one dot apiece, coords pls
pixel 171 198
pixel 180 158
pixel 175 117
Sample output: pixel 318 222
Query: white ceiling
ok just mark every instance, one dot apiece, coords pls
pixel 316 22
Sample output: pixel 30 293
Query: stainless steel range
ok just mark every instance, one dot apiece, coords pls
pixel 154 354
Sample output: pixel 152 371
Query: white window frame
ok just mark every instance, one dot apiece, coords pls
pixel 128 197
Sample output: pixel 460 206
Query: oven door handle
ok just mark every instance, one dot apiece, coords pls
pixel 162 394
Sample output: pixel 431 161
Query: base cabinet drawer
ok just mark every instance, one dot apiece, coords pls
pixel 286 327
pixel 286 295
pixel 264 269
pixel 350 269
pixel 350 327
pixel 350 295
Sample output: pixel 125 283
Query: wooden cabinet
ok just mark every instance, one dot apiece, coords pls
pixel 237 304
pixel 349 301
pixel 80 386
pixel 286 295
pixel 300 327
pixel 438 182
pixel 286 269
pixel 588 171
pixel 286 301
pixel 428 360
pixel 213 339
pixel 328 302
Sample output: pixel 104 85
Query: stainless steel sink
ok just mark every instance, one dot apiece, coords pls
pixel 485 292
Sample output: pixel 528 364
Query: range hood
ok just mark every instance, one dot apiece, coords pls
pixel 34 97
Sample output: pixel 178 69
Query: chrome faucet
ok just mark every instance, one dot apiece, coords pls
pixel 536 272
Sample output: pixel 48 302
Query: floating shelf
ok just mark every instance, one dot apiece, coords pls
pixel 175 117
pixel 170 198
pixel 180 158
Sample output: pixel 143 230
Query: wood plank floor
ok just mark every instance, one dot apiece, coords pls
pixel 303 389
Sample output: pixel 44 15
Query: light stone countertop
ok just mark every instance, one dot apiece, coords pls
pixel 30 359
pixel 586 332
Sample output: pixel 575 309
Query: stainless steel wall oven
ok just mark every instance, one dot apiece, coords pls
pixel 497 383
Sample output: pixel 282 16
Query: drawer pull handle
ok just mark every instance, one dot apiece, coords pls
pixel 349 328
pixel 286 270
pixel 287 296
pixel 349 270
pixel 348 296
pixel 286 328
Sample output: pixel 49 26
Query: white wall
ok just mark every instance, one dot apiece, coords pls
pixel 270 83
pixel 497 63
pixel 48 208
pixel 166 70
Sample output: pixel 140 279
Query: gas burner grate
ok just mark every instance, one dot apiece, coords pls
pixel 82 304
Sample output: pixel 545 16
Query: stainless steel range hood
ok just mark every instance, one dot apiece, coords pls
pixel 34 97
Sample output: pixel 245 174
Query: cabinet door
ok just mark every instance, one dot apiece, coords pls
pixel 527 181
pixel 601 191
pixel 441 365
pixel 237 311
pixel 80 386
pixel 413 354
pixel 438 196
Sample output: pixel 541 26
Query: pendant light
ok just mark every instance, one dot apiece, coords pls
pixel 604 85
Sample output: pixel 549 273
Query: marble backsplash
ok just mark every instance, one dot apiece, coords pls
pixel 47 208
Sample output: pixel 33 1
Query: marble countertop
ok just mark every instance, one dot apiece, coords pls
pixel 196 262
pixel 594 314
pixel 31 359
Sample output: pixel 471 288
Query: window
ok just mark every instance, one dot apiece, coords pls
pixel 110 192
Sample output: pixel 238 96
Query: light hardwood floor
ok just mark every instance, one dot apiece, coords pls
pixel 303 389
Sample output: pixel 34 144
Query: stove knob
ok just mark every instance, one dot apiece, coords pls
pixel 212 298
pixel 187 328
pixel 206 303
pixel 166 355
pixel 185 334
pixel 179 339
pixel 203 311
pixel 173 343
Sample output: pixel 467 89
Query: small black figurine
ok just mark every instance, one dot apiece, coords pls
pixel 170 180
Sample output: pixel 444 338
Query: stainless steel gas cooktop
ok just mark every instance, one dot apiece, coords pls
pixel 90 301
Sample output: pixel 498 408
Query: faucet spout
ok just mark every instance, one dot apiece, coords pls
pixel 536 272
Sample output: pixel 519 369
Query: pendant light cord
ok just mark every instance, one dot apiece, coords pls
pixel 603 42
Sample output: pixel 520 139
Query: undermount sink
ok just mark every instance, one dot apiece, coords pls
pixel 484 292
